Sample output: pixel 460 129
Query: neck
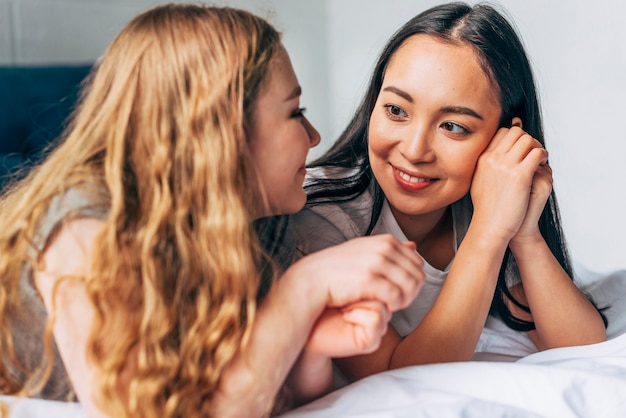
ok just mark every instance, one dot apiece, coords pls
pixel 432 233
pixel 419 228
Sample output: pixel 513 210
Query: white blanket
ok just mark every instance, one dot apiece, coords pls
pixel 586 381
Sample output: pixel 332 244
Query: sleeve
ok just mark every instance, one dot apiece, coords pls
pixel 321 227
pixel 28 323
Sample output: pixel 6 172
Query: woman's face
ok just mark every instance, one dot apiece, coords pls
pixel 280 139
pixel 434 115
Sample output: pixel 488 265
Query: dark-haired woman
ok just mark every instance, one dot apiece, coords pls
pixel 447 150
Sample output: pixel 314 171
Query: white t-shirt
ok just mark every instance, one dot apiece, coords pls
pixel 321 226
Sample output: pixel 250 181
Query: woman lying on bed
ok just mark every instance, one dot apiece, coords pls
pixel 133 243
pixel 447 151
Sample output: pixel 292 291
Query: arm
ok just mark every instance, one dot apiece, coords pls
pixel 312 374
pixel 564 320
pixel 274 328
pixel 378 269
pixel 69 254
pixel 450 331
pixel 364 269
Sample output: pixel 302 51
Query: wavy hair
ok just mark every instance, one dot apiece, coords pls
pixel 502 56
pixel 160 127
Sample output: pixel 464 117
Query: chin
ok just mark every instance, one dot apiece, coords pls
pixel 294 204
pixel 411 208
pixel 299 202
pixel 296 207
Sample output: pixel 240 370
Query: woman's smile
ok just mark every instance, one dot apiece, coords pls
pixel 411 182
pixel 435 114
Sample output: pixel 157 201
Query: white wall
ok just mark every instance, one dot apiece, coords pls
pixel 60 31
pixel 35 32
pixel 578 49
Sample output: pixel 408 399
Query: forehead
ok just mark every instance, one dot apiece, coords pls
pixel 281 77
pixel 278 88
pixel 451 68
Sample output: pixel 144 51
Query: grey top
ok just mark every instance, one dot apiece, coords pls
pixel 29 322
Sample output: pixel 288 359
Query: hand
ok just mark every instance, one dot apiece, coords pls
pixel 374 268
pixel 502 184
pixel 353 330
pixel 539 193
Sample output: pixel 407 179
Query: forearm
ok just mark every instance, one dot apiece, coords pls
pixel 310 378
pixel 451 329
pixel 562 314
pixel 281 328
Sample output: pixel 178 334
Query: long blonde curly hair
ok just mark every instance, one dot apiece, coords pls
pixel 161 128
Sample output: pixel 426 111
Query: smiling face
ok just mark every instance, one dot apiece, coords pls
pixel 435 114
pixel 280 138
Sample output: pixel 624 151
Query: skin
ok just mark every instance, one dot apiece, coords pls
pixel 434 136
pixel 280 139
pixel 333 303
pixel 428 128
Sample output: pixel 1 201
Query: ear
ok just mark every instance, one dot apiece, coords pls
pixel 517 122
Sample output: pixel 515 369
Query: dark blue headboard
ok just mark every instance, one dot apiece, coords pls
pixel 35 103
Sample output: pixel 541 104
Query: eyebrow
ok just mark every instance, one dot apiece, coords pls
pixel 297 92
pixel 406 96
pixel 461 110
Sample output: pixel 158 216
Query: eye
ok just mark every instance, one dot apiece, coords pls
pixel 455 128
pixel 298 113
pixel 394 112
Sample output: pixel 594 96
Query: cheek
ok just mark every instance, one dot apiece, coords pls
pixel 286 194
pixel 378 141
pixel 462 163
pixel 376 153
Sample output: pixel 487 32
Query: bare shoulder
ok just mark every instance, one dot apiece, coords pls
pixel 67 253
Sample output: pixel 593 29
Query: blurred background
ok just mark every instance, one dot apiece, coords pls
pixel 577 48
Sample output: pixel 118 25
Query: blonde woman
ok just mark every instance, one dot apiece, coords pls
pixel 131 255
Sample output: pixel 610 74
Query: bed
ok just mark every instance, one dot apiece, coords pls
pixel 585 381
pixel 581 382
pixel 576 382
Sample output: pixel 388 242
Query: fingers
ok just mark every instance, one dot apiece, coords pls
pixel 510 173
pixel 539 193
pixel 352 330
pixel 372 312
pixel 411 245
pixel 376 267
pixel 401 267
pixel 410 260
pixel 527 149
pixel 514 141
pixel 543 174
pixel 514 147
pixel 369 321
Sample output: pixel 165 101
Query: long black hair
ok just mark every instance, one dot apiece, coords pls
pixel 502 57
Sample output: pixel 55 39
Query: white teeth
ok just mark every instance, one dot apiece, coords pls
pixel 411 179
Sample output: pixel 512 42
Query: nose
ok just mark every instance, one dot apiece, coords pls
pixel 314 135
pixel 418 147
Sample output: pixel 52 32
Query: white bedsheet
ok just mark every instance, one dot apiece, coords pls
pixel 586 381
